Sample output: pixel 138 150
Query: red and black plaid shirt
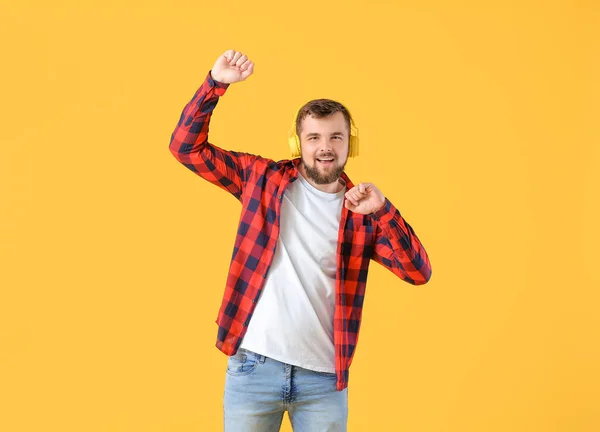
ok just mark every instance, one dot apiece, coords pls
pixel 259 184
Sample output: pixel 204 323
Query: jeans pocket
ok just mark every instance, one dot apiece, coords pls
pixel 242 363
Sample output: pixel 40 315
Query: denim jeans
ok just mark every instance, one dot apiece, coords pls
pixel 258 390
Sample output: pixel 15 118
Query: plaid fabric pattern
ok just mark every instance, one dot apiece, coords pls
pixel 259 184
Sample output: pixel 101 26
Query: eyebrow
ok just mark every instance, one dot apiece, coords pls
pixel 318 134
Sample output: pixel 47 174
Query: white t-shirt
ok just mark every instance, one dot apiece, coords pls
pixel 293 319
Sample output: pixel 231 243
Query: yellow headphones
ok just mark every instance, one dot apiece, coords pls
pixel 294 139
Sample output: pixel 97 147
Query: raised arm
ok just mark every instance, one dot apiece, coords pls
pixel 189 141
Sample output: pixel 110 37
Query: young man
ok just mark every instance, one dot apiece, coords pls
pixel 291 312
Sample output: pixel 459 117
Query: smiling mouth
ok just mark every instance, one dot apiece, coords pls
pixel 325 161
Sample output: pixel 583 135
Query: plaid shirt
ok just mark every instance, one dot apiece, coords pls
pixel 259 184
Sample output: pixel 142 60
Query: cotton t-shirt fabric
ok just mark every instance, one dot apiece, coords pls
pixel 293 320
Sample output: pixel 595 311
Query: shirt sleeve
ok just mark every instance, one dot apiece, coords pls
pixel 398 248
pixel 189 142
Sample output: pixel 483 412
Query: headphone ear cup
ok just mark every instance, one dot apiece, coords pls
pixel 353 142
pixel 294 143
pixel 353 147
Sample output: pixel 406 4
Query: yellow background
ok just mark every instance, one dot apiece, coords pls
pixel 478 120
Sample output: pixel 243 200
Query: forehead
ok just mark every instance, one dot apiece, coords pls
pixel 330 124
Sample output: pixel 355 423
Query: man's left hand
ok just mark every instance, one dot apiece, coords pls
pixel 364 198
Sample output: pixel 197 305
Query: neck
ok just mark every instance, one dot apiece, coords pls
pixel 332 187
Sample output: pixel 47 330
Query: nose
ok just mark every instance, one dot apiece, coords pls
pixel 326 145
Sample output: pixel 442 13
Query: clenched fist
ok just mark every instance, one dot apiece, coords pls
pixel 231 67
pixel 364 198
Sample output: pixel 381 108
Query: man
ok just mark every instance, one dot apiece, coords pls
pixel 291 311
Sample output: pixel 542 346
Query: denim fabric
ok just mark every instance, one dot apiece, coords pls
pixel 258 390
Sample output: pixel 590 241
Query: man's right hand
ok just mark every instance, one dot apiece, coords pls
pixel 231 67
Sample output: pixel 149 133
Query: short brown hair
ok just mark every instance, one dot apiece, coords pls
pixel 321 108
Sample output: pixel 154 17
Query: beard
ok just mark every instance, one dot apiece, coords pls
pixel 328 175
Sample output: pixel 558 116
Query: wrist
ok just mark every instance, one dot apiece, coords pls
pixel 381 211
pixel 380 206
pixel 216 79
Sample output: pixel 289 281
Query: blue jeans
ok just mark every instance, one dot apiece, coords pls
pixel 258 390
